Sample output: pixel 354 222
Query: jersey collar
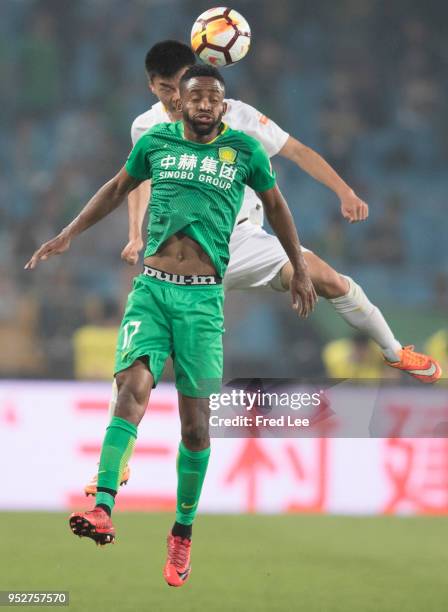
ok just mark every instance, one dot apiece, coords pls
pixel 222 130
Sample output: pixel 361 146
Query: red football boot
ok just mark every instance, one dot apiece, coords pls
pixel 177 567
pixel 95 524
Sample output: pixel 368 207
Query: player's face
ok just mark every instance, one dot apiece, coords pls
pixel 203 104
pixel 167 90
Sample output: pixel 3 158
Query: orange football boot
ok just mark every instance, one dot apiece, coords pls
pixel 419 366
pixel 177 567
pixel 90 488
pixel 95 524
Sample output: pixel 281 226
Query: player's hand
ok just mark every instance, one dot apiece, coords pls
pixel 57 245
pixel 353 209
pixel 304 296
pixel 131 251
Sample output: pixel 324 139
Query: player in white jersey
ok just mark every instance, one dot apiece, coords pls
pixel 257 259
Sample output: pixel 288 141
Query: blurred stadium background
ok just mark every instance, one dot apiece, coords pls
pixel 364 82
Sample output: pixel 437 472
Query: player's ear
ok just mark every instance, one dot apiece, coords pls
pixel 224 107
pixel 151 85
pixel 178 105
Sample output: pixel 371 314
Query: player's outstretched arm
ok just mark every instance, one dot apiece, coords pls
pixel 105 200
pixel 279 216
pixel 352 208
pixel 138 201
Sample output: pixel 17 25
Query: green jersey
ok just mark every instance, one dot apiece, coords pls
pixel 197 189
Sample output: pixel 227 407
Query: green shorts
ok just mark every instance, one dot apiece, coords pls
pixel 163 319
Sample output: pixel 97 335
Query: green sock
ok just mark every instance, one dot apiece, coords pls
pixel 117 448
pixel 191 469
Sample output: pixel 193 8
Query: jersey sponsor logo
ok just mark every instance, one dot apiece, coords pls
pixel 227 155
pixel 217 172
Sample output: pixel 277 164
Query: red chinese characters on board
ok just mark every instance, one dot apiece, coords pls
pixel 256 464
pixel 417 473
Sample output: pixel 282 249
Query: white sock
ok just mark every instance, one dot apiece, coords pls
pixel 113 400
pixel 356 309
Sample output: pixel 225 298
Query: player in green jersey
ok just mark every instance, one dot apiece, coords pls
pixel 199 168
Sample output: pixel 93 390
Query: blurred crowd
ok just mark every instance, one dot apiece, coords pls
pixel 362 82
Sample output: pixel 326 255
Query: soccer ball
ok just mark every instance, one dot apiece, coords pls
pixel 220 36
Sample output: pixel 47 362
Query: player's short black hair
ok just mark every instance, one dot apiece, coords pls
pixel 167 57
pixel 202 70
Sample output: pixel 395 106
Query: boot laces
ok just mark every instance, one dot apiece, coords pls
pixel 101 517
pixel 413 359
pixel 178 550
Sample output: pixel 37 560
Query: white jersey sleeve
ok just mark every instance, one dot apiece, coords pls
pixel 242 116
pixel 144 122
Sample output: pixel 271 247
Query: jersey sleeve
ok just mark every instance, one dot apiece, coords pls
pixel 244 117
pixel 142 124
pixel 261 176
pixel 137 164
pixel 137 130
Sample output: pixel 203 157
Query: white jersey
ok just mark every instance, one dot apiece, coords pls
pixel 239 116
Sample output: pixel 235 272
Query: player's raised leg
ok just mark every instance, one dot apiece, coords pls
pixel 352 304
pixel 90 488
pixel 134 386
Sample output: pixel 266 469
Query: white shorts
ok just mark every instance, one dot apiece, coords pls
pixel 256 259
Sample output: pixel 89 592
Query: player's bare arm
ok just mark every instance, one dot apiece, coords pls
pixel 105 200
pixel 352 207
pixel 279 216
pixel 138 200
